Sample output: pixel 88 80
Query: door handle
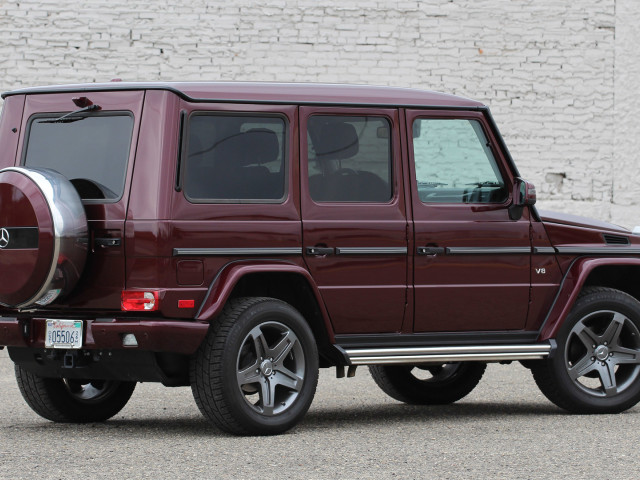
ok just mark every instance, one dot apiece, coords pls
pixel 320 251
pixel 107 242
pixel 430 250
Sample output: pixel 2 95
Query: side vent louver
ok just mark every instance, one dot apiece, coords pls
pixel 616 239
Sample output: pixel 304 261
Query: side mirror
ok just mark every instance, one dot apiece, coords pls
pixel 524 194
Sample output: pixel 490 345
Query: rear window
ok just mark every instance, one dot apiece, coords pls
pixel 235 158
pixel 349 158
pixel 91 151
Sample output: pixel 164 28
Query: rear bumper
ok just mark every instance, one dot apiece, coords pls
pixel 173 336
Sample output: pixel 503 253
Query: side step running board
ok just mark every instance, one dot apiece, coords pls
pixel 413 355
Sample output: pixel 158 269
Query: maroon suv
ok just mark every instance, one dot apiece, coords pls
pixel 235 237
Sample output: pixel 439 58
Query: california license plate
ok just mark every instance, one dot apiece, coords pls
pixel 63 334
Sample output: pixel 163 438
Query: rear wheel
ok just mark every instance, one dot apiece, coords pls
pixel 73 401
pixel 428 384
pixel 596 368
pixel 257 371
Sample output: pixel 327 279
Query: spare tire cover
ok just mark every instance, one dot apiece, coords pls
pixel 43 236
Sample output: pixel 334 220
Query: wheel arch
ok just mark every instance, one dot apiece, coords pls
pixel 285 281
pixel 586 272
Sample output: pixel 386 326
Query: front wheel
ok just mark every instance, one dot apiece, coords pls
pixel 256 372
pixel 73 401
pixel 596 368
pixel 428 384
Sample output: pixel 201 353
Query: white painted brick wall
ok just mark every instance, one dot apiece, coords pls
pixel 560 75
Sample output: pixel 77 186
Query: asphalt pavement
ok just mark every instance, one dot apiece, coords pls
pixel 505 429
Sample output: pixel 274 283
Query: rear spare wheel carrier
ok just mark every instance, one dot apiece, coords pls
pixel 43 236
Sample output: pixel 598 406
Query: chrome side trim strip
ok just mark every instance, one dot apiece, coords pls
pixel 445 359
pixel 371 250
pixel 487 250
pixel 412 355
pixel 544 250
pixel 227 252
pixel 610 250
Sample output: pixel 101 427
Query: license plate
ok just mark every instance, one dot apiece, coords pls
pixel 63 334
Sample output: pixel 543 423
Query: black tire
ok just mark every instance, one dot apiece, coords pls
pixel 596 367
pixel 73 401
pixel 428 384
pixel 256 372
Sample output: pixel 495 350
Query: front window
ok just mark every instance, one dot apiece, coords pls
pixel 454 163
pixel 90 150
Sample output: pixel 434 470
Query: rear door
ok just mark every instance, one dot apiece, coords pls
pixel 238 200
pixel 472 262
pixel 354 218
pixel 95 150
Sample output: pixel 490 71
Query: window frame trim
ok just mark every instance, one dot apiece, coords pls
pixel 184 157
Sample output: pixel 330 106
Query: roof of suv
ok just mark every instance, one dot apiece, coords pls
pixel 257 92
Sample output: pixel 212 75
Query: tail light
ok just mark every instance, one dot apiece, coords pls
pixel 139 301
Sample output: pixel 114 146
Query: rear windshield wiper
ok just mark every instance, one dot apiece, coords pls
pixel 68 118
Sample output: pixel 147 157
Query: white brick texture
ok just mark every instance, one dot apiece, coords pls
pixel 560 76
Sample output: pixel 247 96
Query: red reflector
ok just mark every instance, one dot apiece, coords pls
pixel 186 303
pixel 139 301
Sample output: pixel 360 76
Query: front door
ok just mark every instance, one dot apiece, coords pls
pixel 353 215
pixel 472 262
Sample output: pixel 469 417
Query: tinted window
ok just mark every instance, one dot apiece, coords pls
pixel 91 151
pixel 454 163
pixel 233 158
pixel 349 159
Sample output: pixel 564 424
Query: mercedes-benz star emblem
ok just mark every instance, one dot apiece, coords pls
pixel 4 237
